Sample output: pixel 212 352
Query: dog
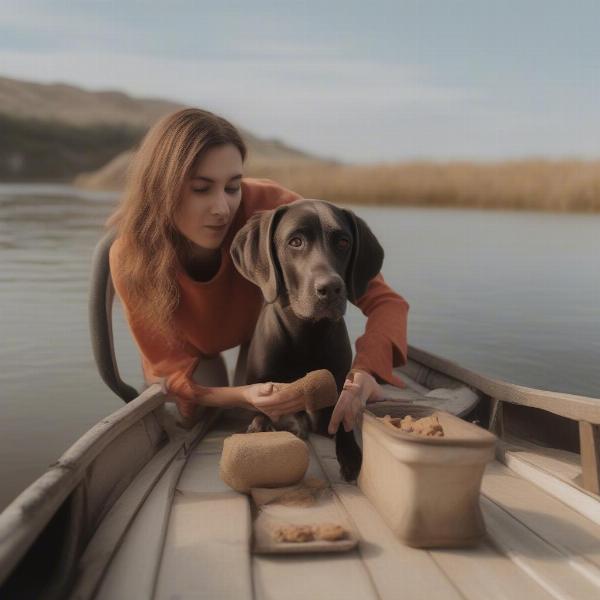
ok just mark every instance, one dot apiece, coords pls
pixel 309 257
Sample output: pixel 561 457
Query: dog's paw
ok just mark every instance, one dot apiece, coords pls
pixel 298 424
pixel 259 424
pixel 349 455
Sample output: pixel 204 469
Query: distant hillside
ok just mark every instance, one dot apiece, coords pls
pixel 76 106
pixel 54 132
pixel 38 150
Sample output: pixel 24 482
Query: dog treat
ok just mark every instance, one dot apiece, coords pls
pixel 265 459
pixel 428 426
pixel 329 532
pixel 293 533
pixel 318 387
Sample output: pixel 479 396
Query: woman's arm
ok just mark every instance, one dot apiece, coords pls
pixel 189 393
pixel 261 397
pixel 172 364
pixel 383 346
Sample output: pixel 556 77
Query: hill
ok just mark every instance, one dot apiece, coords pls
pixel 54 132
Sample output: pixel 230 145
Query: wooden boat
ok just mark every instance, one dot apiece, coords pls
pixel 135 509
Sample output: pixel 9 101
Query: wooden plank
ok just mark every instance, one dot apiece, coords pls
pixel 533 469
pixel 565 577
pixel 206 552
pixel 111 530
pixel 201 475
pixel 312 575
pixel 323 445
pixel 485 572
pixel 589 440
pixel 564 464
pixel 133 570
pixel 565 529
pixel 211 444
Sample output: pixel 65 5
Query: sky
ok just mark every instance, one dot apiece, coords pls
pixel 359 81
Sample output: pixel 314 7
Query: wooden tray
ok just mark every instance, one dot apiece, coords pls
pixel 267 515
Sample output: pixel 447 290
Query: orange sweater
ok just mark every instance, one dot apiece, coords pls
pixel 221 313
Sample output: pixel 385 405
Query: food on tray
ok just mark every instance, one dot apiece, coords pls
pixel 428 426
pixel 329 532
pixel 293 533
pixel 265 459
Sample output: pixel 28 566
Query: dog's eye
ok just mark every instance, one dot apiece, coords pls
pixel 343 244
pixel 296 242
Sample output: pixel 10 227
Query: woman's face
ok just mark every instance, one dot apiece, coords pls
pixel 211 197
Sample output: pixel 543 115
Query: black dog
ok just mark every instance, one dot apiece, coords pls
pixel 308 257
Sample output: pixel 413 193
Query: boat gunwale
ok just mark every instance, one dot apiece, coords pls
pixel 40 500
pixel 571 406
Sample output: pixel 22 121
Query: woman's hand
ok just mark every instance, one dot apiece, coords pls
pixel 360 387
pixel 274 399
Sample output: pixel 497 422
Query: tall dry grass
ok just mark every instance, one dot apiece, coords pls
pixel 567 185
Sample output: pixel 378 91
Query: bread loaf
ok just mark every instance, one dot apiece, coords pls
pixel 265 459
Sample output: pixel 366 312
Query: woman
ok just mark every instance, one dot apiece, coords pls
pixel 185 302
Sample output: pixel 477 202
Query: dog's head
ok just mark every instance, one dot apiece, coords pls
pixel 311 254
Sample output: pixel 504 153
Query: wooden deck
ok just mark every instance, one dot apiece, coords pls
pixel 191 539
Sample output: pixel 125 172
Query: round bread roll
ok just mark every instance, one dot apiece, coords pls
pixel 265 459
pixel 318 388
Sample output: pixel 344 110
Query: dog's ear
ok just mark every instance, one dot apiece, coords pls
pixel 253 253
pixel 366 259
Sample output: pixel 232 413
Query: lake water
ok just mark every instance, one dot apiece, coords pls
pixel 515 295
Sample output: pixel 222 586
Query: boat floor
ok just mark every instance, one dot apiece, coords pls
pixel 191 539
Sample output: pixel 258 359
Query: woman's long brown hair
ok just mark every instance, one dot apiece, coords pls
pixel 144 219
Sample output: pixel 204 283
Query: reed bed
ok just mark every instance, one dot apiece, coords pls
pixel 566 185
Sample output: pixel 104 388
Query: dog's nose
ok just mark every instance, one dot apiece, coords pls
pixel 328 288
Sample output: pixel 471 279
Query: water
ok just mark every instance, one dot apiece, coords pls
pixel 512 295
